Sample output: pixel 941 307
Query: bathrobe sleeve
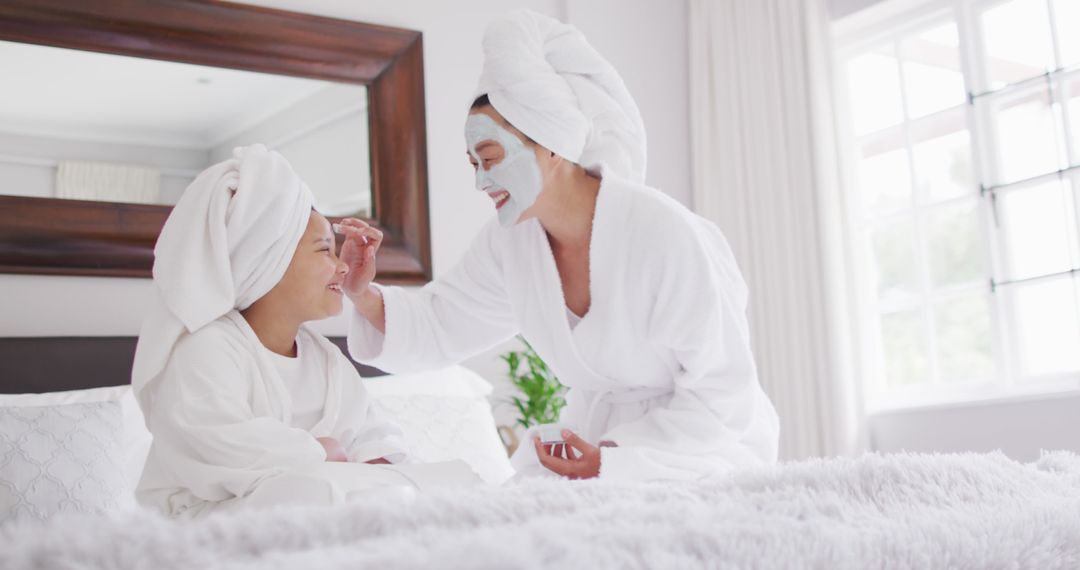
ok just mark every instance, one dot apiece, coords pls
pixel 364 431
pixel 718 417
pixel 450 319
pixel 205 433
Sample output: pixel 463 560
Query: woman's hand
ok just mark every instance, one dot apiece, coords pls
pixel 358 252
pixel 334 450
pixel 585 464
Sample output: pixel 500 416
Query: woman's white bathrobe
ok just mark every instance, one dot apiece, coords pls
pixel 222 435
pixel 661 363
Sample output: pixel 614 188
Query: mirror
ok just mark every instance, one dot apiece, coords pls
pixel 93 91
pixel 102 127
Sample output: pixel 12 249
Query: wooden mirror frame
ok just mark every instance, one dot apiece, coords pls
pixel 70 237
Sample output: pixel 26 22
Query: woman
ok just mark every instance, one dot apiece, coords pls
pixel 633 301
pixel 247 405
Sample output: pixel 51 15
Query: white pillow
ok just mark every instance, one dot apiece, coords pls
pixel 452 381
pixel 105 394
pixel 60 458
pixel 135 438
pixel 445 415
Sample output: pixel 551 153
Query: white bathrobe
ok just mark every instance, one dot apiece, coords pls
pixel 221 425
pixel 661 363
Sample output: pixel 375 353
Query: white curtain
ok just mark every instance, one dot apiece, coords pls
pixel 86 180
pixel 765 171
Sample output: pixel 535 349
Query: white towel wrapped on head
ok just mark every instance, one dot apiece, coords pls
pixel 227 242
pixel 547 81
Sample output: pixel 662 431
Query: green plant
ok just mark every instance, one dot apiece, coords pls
pixel 542 391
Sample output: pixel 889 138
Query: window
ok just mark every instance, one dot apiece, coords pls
pixel 962 124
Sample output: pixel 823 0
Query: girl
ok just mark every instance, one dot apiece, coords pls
pixel 247 405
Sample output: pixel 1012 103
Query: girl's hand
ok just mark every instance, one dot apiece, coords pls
pixel 361 243
pixel 334 450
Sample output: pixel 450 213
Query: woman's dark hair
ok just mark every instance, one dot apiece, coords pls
pixel 481 101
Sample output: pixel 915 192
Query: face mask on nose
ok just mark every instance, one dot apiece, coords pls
pixel 517 173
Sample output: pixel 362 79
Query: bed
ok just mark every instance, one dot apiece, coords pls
pixel 874 511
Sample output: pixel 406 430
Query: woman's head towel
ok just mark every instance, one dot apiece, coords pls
pixel 547 81
pixel 227 242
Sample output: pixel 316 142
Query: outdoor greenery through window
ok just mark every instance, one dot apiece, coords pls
pixel 963 123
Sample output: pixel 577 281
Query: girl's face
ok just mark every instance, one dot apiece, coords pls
pixel 311 287
pixel 506 163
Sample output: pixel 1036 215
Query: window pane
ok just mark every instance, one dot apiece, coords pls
pixel 904 348
pixel 1017 41
pixel 942 155
pixel 956 250
pixel 965 345
pixel 885 179
pixel 1037 230
pixel 1025 133
pixel 894 260
pixel 1067 16
pixel 1048 324
pixel 932 74
pixel 874 84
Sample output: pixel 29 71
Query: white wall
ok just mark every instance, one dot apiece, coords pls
pixel 644 39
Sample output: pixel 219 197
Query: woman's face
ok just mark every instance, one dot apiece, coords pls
pixel 311 287
pixel 507 164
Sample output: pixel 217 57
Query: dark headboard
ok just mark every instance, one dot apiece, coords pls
pixel 54 364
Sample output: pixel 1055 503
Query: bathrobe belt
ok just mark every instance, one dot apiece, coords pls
pixel 618 395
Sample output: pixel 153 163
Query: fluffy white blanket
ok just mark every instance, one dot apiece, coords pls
pixel 901 511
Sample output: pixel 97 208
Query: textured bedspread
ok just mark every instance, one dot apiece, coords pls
pixel 904 511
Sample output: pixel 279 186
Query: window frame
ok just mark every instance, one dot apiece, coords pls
pixel 889 22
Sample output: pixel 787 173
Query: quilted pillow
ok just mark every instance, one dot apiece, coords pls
pixel 445 415
pixel 136 440
pixel 63 458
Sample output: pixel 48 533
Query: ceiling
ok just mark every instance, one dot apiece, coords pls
pixel 93 96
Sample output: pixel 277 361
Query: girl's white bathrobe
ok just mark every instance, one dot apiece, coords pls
pixel 661 363
pixel 222 434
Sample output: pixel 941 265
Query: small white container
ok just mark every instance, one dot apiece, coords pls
pixel 549 433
